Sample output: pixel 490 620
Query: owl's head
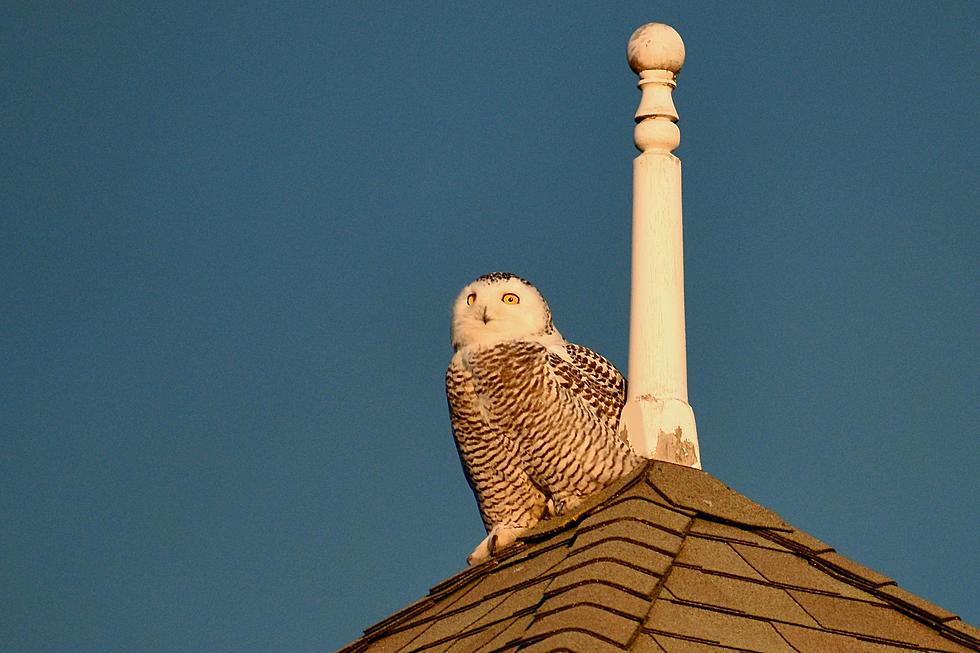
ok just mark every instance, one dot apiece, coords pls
pixel 501 306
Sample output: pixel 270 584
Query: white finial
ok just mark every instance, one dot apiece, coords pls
pixel 656 53
pixel 658 419
pixel 655 46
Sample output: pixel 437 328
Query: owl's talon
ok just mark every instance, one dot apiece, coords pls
pixel 566 504
pixel 499 537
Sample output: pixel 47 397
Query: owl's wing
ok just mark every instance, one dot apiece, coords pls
pixel 594 378
pixel 490 459
pixel 562 408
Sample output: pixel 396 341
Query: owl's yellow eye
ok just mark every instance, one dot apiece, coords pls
pixel 471 299
pixel 510 298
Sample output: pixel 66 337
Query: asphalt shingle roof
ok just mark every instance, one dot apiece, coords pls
pixel 669 560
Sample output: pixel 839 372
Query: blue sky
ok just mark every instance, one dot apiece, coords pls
pixel 230 236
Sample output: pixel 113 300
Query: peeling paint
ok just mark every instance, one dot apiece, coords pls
pixel 672 448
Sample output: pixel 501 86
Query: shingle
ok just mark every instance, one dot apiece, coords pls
pixel 631 553
pixel 809 640
pixel 668 618
pixel 917 603
pixel 674 645
pixel 640 510
pixel 858 571
pixel 397 640
pixel 572 641
pixel 647 491
pixel 462 597
pixel 528 547
pixel 462 579
pixel 699 491
pixel 645 644
pixel 715 556
pixel 727 532
pixel 665 594
pixel 592 619
pixel 755 599
pixel 612 573
pixel 480 614
pixel 443 602
pixel 634 531
pixel 437 647
pixel 796 539
pixel 514 604
pixel 420 610
pixel 456 622
pixel 511 633
pixel 515 575
pixel 791 569
pixel 472 641
pixel 873 621
pixel 964 630
pixel 598 594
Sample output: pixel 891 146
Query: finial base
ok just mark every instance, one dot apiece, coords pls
pixel 662 429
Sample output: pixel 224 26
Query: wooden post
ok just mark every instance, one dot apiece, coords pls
pixel 658 419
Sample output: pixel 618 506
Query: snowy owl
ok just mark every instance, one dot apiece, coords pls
pixel 536 418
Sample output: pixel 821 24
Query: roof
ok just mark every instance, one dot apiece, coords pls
pixel 669 560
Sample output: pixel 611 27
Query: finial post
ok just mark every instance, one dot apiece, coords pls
pixel 658 418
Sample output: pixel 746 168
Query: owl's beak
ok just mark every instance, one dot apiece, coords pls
pixel 486 318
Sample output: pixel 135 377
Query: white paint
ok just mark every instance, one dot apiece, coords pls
pixel 657 405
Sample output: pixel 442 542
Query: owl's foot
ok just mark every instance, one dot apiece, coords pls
pixel 564 503
pixel 499 537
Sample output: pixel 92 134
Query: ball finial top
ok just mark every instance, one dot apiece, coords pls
pixel 655 46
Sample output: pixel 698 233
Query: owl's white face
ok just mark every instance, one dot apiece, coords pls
pixel 499 307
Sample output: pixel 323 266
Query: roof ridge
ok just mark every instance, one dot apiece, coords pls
pixel 766 582
pixel 878 639
pixel 662 583
pixel 877 585
pixel 872 639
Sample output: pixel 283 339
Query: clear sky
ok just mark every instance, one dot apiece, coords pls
pixel 230 236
